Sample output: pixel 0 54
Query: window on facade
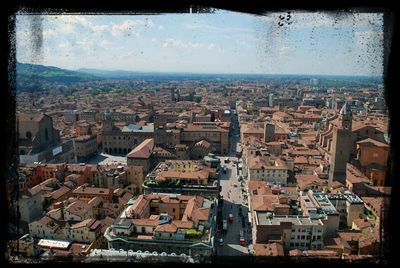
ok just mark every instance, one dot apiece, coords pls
pixel 46 134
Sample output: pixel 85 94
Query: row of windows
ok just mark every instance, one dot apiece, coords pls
pixel 299 230
pixel 272 171
pixel 300 244
pixel 194 134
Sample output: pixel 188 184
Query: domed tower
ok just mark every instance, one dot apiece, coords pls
pixel 345 117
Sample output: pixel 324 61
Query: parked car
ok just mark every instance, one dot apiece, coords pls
pixel 242 241
pixel 225 225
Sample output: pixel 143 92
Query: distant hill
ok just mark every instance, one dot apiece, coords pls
pixel 120 74
pixel 35 73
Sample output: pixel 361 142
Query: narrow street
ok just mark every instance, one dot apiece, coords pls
pixel 233 192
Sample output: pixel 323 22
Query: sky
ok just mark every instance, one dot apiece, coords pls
pixel 220 42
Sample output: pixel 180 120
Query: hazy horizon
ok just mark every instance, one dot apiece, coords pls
pixel 204 73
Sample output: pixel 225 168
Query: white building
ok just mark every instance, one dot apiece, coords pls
pixel 295 232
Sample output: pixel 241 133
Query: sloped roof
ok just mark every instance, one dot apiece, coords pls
pixel 373 142
pixel 143 150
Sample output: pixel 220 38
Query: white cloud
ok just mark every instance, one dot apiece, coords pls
pixel 134 27
pixel 127 27
pixel 197 45
pixel 105 43
pixel 214 47
pixel 85 44
pixel 171 42
pixel 205 27
pixel 284 52
pixel 64 45
pixel 201 26
pixel 67 28
pixel 71 20
pixel 149 23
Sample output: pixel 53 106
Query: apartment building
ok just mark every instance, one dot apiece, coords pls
pixel 267 169
pixel 294 232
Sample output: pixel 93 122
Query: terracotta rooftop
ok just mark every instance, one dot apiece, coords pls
pixel 354 175
pixel 258 188
pixel 84 223
pixel 362 223
pixel 143 150
pixel 271 249
pixel 91 190
pixel 60 192
pixel 264 202
pixel 166 228
pixel 370 141
pixel 261 163
pixel 203 143
pixel 305 180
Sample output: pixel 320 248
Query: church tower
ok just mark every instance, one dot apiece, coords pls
pixel 345 117
pixel 341 146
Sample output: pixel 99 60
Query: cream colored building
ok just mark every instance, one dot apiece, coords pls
pixel 262 168
pixel 86 231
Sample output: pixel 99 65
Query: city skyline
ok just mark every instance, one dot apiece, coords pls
pixel 220 42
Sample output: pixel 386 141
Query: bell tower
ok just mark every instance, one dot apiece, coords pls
pixel 345 117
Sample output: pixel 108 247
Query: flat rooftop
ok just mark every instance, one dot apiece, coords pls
pixel 265 219
pixel 55 244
